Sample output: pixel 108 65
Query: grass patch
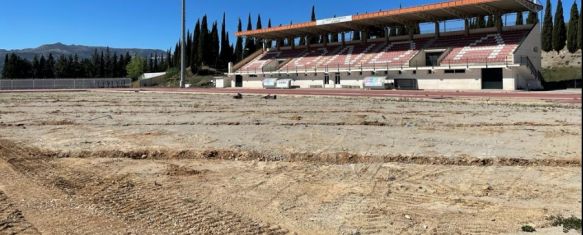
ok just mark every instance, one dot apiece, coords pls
pixel 567 223
pixel 561 74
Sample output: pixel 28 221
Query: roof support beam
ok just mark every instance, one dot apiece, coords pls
pixel 455 12
pixel 487 8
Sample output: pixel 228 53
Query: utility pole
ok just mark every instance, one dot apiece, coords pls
pixel 182 44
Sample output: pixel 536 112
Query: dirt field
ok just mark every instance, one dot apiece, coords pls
pixel 148 163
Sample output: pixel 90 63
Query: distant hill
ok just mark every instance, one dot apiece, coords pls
pixel 59 49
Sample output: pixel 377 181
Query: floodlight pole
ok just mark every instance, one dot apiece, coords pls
pixel 182 44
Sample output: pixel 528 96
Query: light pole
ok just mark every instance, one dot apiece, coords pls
pixel 182 44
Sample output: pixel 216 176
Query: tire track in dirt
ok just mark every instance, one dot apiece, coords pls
pixel 12 221
pixel 168 212
pixel 144 207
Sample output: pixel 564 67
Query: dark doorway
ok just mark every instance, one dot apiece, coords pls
pixel 326 79
pixel 431 58
pixel 238 81
pixel 337 78
pixel 492 78
pixel 406 84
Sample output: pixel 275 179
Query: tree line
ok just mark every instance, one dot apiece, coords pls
pixel 102 64
pixel 556 35
pixel 206 46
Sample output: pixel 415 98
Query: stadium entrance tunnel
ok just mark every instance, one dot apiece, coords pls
pixel 492 78
pixel 238 81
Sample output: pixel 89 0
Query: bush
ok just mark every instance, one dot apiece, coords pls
pixel 527 228
pixel 567 223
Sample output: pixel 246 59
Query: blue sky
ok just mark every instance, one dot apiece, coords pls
pixel 155 23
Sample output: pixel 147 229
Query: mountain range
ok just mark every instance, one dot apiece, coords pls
pixel 58 49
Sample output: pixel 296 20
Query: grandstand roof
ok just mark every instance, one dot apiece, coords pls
pixel 455 9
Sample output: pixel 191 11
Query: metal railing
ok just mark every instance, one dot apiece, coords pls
pixel 525 60
pixel 69 83
pixel 466 62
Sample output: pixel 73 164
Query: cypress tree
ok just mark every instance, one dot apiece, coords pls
pixel 94 63
pixel 547 33
pixel 188 49
pixel 203 42
pixel 313 16
pixel 116 62
pixel 50 67
pixel 239 44
pixel 225 50
pixel 313 39
pixel 152 64
pixel 196 60
pixel 169 61
pixel 573 27
pixel 156 65
pixel 249 41
pixel 42 67
pixel 101 65
pixel 559 29
pixel 580 29
pixel 519 19
pixel 258 42
pixel 532 18
pixel 6 66
pixel 127 60
pixel 176 55
pixel 215 45
pixel 36 70
pixel 108 64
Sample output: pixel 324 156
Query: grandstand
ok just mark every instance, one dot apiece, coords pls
pixel 501 57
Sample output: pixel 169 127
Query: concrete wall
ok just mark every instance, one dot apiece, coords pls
pixel 223 82
pixel 531 47
pixel 436 79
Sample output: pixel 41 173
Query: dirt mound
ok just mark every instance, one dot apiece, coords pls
pixel 329 158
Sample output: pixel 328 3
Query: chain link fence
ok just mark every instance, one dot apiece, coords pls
pixel 70 83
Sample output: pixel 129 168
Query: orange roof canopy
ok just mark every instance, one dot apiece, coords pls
pixel 456 9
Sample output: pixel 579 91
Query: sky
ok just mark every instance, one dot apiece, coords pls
pixel 155 24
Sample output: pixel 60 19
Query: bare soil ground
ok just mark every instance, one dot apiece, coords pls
pixel 145 163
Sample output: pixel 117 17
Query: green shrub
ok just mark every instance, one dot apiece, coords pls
pixel 567 223
pixel 527 228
